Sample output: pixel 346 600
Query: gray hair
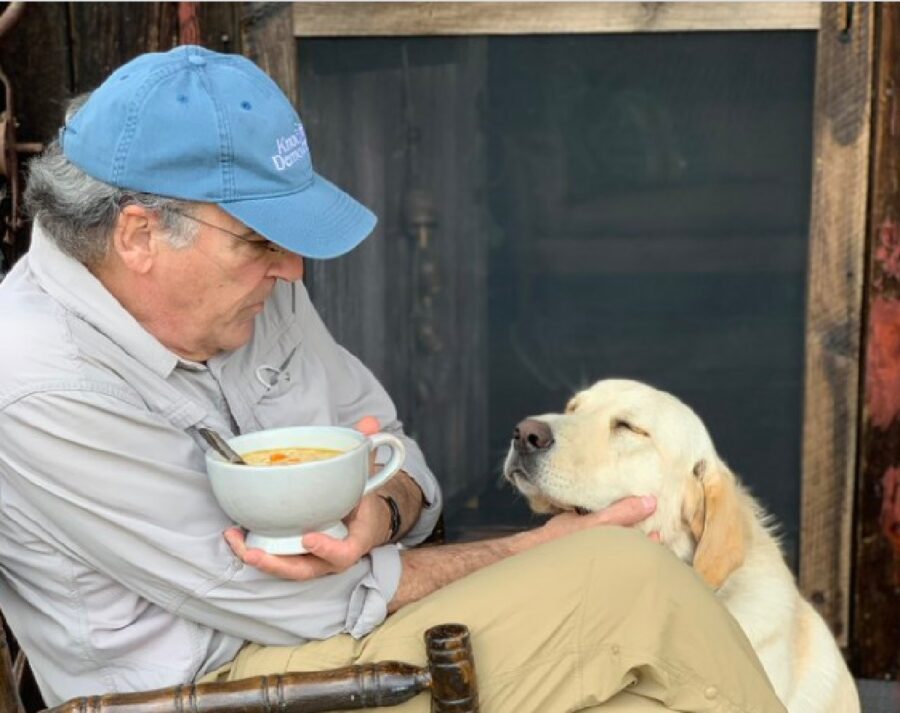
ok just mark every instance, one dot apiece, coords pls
pixel 80 212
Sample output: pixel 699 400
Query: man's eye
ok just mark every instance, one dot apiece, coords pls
pixel 258 246
pixel 619 424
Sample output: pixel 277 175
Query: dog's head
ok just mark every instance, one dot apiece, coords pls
pixel 621 438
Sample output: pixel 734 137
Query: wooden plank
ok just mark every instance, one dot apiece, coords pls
pixel 268 40
pixel 104 36
pixel 335 19
pixel 834 304
pixel 350 292
pixel 59 50
pixel 450 311
pixel 602 255
pixel 220 25
pixel 431 355
pixel 876 588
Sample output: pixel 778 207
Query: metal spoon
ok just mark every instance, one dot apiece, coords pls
pixel 220 446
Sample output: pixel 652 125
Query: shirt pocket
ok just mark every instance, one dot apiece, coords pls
pixel 289 385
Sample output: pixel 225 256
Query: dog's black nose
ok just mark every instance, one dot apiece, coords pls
pixel 531 436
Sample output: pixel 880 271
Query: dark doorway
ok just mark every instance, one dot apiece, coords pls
pixel 560 209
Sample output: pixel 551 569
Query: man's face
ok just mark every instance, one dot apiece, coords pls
pixel 209 293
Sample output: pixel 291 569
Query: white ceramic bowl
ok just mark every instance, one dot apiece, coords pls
pixel 278 504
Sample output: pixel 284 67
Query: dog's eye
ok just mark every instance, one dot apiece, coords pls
pixel 619 424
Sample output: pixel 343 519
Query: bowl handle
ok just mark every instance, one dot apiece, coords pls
pixel 389 469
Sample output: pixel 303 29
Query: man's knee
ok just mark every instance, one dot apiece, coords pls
pixel 610 562
pixel 603 563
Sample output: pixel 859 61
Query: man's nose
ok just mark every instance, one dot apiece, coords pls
pixel 531 436
pixel 287 266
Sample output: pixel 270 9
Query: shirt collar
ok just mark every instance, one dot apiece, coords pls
pixel 73 286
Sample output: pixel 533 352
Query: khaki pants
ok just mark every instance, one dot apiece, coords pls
pixel 603 620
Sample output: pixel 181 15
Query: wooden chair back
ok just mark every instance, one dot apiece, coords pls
pixel 449 676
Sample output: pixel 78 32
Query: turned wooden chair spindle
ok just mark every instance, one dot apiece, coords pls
pixel 449 677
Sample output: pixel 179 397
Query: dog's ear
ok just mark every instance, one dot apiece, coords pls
pixel 712 510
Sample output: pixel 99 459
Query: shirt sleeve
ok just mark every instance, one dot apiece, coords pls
pixel 358 393
pixel 115 486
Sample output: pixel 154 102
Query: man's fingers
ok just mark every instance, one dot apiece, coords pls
pixel 368 425
pixel 297 567
pixel 234 536
pixel 627 512
pixel 339 553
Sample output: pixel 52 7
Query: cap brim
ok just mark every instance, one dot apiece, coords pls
pixel 320 221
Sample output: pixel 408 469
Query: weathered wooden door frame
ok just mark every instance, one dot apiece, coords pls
pixel 840 184
pixel 876 559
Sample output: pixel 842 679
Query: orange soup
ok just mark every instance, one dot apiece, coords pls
pixel 288 456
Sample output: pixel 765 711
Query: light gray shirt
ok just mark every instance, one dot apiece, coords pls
pixel 114 574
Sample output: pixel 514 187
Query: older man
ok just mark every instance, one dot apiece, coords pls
pixel 162 293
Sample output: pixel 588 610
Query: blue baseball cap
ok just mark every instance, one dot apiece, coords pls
pixel 201 126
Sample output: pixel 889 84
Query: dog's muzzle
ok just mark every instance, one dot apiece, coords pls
pixel 515 468
pixel 530 440
pixel 531 437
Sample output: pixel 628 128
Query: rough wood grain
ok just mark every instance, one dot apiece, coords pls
pixel 334 19
pixel 834 307
pixel 876 587
pixel 365 116
pixel 267 39
pixel 220 25
pixel 103 36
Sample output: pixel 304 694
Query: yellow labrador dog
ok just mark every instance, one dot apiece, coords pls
pixel 621 438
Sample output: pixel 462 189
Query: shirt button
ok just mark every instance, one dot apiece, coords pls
pixel 615 649
pixel 711 692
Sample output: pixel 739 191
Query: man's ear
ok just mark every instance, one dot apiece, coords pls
pixel 132 240
pixel 712 510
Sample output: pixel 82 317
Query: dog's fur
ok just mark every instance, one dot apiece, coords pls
pixel 621 438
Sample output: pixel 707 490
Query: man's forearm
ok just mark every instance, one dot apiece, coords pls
pixel 427 569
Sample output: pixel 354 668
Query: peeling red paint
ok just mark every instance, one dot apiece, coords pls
pixel 890 508
pixel 883 362
pixel 887 251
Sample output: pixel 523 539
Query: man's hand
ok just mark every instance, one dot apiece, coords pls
pixel 326 555
pixel 368 527
pixel 626 512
